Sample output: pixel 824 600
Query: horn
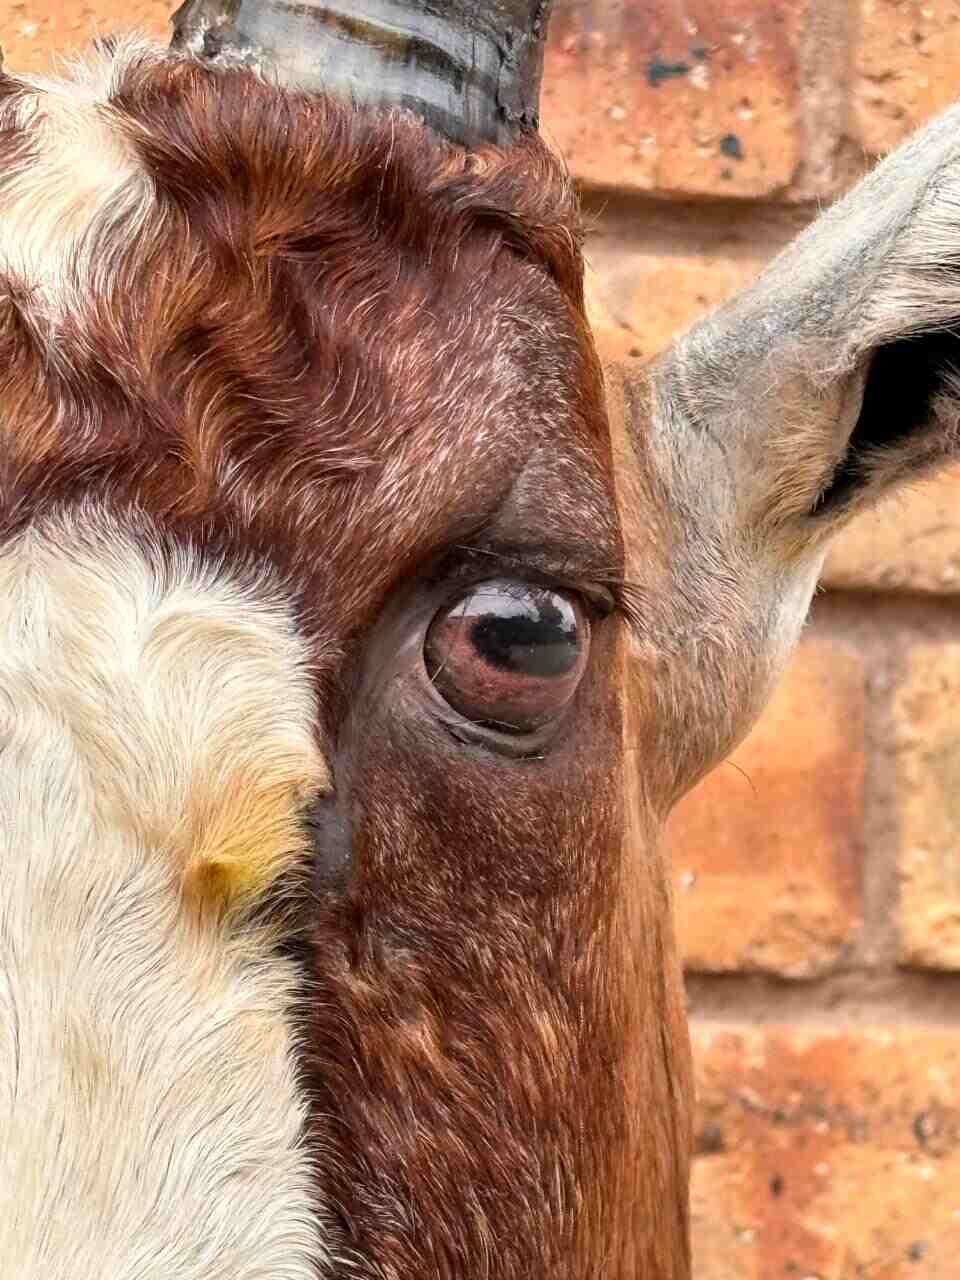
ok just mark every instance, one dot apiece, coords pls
pixel 470 69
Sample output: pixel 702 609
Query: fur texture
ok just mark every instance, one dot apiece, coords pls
pixel 281 379
pixel 71 179
pixel 156 746
pixel 289 339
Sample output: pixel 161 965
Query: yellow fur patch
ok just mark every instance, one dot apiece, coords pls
pixel 248 839
pixel 188 695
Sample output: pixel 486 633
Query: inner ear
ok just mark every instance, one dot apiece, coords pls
pixel 903 381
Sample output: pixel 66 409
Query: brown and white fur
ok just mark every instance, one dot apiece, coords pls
pixel 297 978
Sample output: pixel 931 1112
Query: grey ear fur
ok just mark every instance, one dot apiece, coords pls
pixel 838 374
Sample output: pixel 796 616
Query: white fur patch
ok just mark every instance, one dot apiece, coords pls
pixel 150 1115
pixel 75 177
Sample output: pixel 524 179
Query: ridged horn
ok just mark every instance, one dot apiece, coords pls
pixel 470 68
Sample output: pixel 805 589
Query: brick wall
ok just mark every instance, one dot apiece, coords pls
pixel 817 876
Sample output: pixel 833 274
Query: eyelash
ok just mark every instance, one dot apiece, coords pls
pixel 601 598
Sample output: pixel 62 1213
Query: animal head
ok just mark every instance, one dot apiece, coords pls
pixel 357 635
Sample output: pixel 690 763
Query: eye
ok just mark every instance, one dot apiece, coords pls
pixel 509 654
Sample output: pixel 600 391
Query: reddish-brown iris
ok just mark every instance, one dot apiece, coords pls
pixel 509 654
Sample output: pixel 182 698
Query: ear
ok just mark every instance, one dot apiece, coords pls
pixel 838 374
pixel 739 453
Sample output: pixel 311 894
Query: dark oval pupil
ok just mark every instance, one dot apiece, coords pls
pixel 536 643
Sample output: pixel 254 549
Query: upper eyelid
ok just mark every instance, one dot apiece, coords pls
pixel 480 563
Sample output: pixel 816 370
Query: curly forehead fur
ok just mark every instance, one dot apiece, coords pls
pixel 336 270
pixel 260 310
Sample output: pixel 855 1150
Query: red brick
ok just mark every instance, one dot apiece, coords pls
pixel 639 304
pixel 927 741
pixel 911 542
pixel 766 851
pixel 643 292
pixel 905 67
pixel 693 99
pixel 831 1154
pixel 33 31
pixel 651 273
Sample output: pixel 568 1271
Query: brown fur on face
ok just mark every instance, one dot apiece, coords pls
pixel 322 338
